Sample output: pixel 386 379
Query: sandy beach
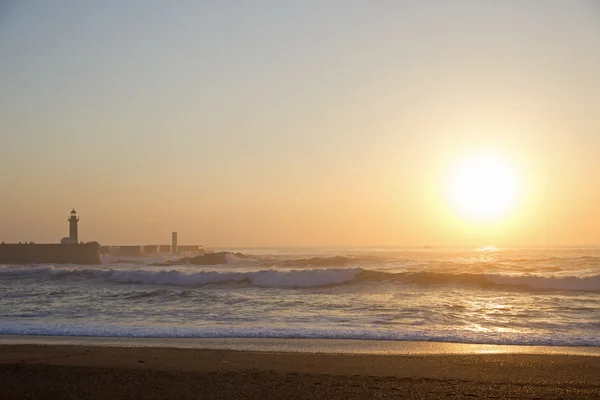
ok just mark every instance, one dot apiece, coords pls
pixel 96 372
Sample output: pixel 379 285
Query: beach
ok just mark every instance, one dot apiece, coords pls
pixel 103 372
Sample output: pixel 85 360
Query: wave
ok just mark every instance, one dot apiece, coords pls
pixel 318 261
pixel 262 278
pixel 306 278
pixel 587 259
pixel 224 258
pixel 294 262
pixel 168 332
pixel 590 283
pixel 550 263
pixel 569 283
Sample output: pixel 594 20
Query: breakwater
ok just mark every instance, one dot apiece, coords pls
pixel 33 253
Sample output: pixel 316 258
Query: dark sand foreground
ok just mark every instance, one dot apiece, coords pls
pixel 89 372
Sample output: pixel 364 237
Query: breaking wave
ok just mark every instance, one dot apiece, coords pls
pixel 591 283
pixel 264 278
pixel 306 278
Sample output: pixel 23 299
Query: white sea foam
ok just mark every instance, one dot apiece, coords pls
pixel 302 278
pixel 264 278
pixel 453 335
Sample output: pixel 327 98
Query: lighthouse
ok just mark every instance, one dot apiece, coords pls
pixel 73 237
pixel 73 220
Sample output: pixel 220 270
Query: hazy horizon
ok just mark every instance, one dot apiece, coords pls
pixel 278 124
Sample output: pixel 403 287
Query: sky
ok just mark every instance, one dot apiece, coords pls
pixel 284 123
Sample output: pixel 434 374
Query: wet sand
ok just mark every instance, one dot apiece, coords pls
pixel 302 345
pixel 93 372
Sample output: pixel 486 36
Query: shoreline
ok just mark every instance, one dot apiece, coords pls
pixel 301 345
pixel 105 372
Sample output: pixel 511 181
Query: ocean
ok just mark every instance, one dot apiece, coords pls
pixel 543 296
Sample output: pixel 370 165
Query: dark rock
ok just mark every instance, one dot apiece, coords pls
pixel 210 258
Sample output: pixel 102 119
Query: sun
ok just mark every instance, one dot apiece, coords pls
pixel 483 188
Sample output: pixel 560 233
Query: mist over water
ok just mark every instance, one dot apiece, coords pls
pixel 502 296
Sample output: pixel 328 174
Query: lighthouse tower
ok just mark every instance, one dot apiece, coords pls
pixel 73 237
pixel 73 232
pixel 73 220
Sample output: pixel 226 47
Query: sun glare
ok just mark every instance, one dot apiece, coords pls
pixel 483 188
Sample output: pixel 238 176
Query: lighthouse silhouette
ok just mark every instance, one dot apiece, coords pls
pixel 73 232
pixel 73 237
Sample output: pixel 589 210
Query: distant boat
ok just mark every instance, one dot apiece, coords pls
pixel 427 246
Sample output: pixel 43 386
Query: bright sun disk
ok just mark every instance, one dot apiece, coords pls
pixel 483 188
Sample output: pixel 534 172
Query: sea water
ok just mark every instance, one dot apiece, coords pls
pixel 547 296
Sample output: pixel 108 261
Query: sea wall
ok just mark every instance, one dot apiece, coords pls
pixel 29 253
